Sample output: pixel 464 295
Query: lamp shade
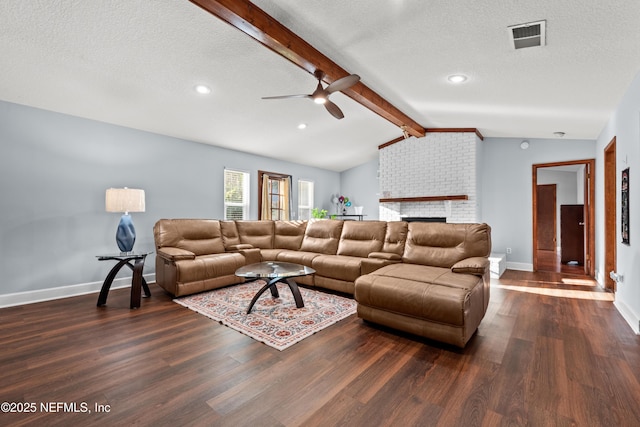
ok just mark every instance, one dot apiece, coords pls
pixel 124 200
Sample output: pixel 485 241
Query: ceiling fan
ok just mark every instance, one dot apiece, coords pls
pixel 321 95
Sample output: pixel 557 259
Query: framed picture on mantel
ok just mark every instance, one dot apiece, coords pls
pixel 624 226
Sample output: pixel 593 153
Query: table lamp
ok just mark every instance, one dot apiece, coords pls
pixel 125 200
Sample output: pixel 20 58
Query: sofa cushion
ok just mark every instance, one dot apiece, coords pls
pixel 360 238
pixel 443 244
pixel 322 237
pixel 230 236
pixel 340 267
pixel 270 254
pixel 200 236
pixel 208 266
pixel 423 273
pixel 432 293
pixel 297 257
pixel 256 233
pixel 289 234
pixel 395 237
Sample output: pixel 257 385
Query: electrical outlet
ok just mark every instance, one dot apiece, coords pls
pixel 508 250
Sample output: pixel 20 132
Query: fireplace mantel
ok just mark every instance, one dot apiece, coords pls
pixel 423 199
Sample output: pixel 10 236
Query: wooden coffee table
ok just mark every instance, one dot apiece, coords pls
pixel 276 272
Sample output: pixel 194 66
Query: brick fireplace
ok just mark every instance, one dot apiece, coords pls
pixel 434 176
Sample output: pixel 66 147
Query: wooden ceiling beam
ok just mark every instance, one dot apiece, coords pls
pixel 256 23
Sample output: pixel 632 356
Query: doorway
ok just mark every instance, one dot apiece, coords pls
pixel 550 259
pixel 610 214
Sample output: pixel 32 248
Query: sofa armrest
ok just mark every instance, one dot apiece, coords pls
pixel 251 255
pixel 369 265
pixel 175 254
pixel 473 265
pixel 239 247
pixel 385 255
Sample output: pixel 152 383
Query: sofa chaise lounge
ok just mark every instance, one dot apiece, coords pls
pixel 428 279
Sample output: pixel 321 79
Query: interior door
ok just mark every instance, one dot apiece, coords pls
pixel 572 234
pixel 610 214
pixel 546 216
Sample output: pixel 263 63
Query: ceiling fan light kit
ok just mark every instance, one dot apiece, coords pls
pixel 321 94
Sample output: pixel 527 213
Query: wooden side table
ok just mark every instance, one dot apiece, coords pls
pixel 133 260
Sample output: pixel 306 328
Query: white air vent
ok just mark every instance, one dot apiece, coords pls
pixel 527 35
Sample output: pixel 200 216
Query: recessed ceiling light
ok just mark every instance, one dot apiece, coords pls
pixel 302 126
pixel 457 78
pixel 203 90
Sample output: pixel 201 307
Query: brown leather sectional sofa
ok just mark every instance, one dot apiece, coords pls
pixel 429 279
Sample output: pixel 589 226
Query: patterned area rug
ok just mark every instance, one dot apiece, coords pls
pixel 274 321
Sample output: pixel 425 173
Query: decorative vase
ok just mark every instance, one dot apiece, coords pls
pixel 125 234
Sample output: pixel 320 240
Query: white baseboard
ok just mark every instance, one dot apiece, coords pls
pixel 30 297
pixel 627 314
pixel 520 266
pixel 599 278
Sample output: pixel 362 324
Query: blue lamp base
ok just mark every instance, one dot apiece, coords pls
pixel 126 233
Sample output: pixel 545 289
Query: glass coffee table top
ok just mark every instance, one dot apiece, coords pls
pixel 276 272
pixel 274 269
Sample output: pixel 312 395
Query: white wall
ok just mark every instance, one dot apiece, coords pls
pixel 624 124
pixel 440 164
pixel 580 185
pixel 507 193
pixel 55 168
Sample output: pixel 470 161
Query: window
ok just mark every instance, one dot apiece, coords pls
pixel 236 194
pixel 305 199
pixel 275 191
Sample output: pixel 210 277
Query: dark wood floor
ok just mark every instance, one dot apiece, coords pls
pixel 551 261
pixel 551 351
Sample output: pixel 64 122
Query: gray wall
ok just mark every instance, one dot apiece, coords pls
pixel 624 124
pixel 507 193
pixel 360 184
pixel 55 168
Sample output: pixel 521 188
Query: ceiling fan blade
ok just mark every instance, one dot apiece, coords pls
pixel 343 83
pixel 334 110
pixel 286 96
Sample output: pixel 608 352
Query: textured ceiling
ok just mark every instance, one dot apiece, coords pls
pixel 135 63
